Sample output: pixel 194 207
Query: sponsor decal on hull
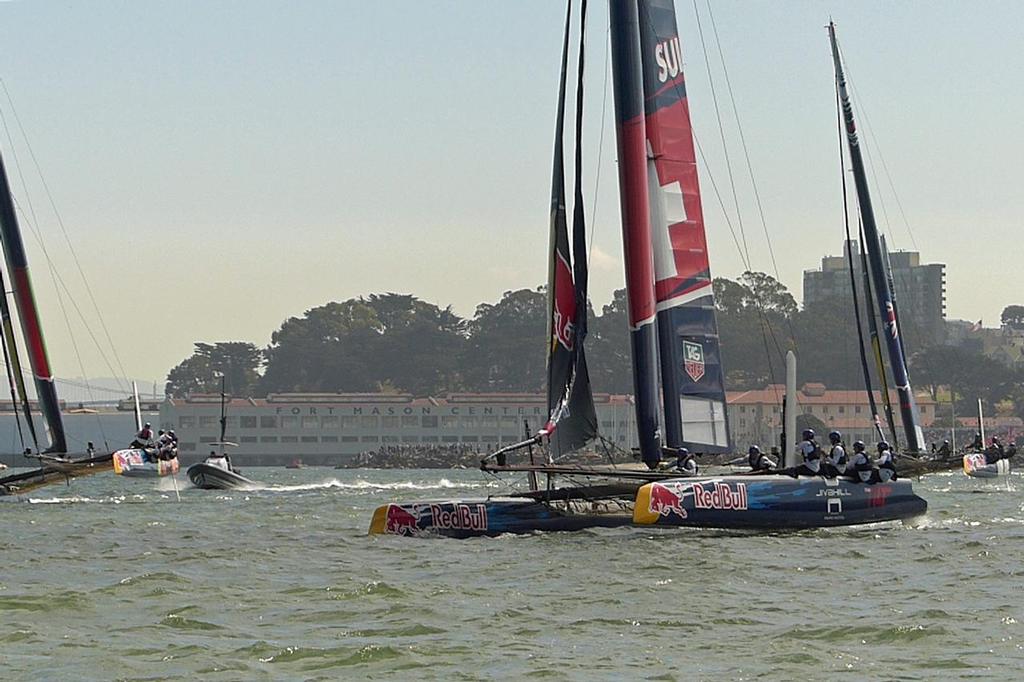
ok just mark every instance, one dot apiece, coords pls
pixel 415 519
pixel 720 496
pixel 676 499
pixel 460 516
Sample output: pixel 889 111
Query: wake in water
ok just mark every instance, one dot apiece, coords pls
pixel 361 484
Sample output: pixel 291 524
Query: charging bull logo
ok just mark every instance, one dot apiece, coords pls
pixel 693 360
pixel 400 522
pixel 665 501
pixel 563 327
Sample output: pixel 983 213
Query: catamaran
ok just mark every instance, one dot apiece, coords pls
pixel 152 461
pixel 55 464
pixel 673 336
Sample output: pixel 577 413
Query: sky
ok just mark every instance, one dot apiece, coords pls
pixel 221 166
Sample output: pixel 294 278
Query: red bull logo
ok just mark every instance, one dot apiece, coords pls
pixel 665 501
pixel 400 522
pixel 720 496
pixel 459 516
pixel 878 494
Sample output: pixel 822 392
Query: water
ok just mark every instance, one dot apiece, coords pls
pixel 115 579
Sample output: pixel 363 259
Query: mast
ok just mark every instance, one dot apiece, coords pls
pixel 908 407
pixel 627 81
pixel 12 359
pixel 692 379
pixel 31 328
pixel 572 418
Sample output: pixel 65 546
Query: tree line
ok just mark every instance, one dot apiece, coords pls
pixel 397 342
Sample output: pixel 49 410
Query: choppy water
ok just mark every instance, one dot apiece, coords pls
pixel 115 579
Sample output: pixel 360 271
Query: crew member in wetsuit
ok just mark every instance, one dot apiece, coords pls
pixel 860 469
pixel 995 452
pixel 686 463
pixel 759 461
pixel 809 450
pixel 144 438
pixel 945 450
pixel 886 463
pixel 836 463
pixel 978 444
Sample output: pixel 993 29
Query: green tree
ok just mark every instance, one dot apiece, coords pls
pixel 506 348
pixel 608 349
pixel 1013 316
pixel 239 362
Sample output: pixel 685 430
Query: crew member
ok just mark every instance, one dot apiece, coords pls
pixel 809 450
pixel 836 464
pixel 978 444
pixel 996 452
pixel 945 450
pixel 686 463
pixel 144 438
pixel 886 463
pixel 860 469
pixel 758 460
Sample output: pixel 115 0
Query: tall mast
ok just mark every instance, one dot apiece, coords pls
pixel 31 328
pixel 627 80
pixel 883 294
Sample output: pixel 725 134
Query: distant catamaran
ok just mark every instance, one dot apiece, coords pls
pixel 674 340
pixel 55 463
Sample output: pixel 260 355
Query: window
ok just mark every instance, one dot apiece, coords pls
pixel 508 421
pixel 508 439
pixel 329 439
pixel 410 422
pixel 489 439
pixel 389 439
pixel 310 422
pixel 389 422
pixel 743 408
pixel 349 422
pixel 186 422
pixel 857 409
pixel 489 422
pixel 350 439
pixel 470 439
pixel 467 422
pixel 268 439
pixel 309 439
pixel 207 422
pixel 289 422
pixel 330 422
pixel 449 439
pixel 429 421
pixel 369 439
pixel 449 422
pixel 824 410
pixel 607 425
pixel 410 439
pixel 429 439
pixel 289 439
pixel 842 409
pixel 248 439
pixel 207 439
pixel 247 423
pixel 231 422
pixel 368 423
pixel 268 422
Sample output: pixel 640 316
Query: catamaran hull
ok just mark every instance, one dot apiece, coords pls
pixel 975 466
pixel 495 516
pixel 774 502
pixel 209 477
pixel 135 463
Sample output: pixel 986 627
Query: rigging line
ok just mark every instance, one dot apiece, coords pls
pixel 67 238
pixel 600 145
pixel 55 274
pixel 746 156
pixel 721 131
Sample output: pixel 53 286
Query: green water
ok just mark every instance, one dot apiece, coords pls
pixel 115 579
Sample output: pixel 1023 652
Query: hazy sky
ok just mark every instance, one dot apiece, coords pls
pixel 221 166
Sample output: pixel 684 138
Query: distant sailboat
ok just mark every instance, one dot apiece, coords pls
pixel 153 461
pixel 55 464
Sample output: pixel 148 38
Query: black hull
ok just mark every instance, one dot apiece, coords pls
pixel 53 472
pixel 209 477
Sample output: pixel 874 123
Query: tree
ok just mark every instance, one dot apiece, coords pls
pixel 1013 316
pixel 239 362
pixel 608 350
pixel 506 348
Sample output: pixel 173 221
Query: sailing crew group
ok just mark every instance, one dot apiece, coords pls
pixel 163 447
pixel 859 467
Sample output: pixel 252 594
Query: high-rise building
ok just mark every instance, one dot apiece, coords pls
pixel 920 289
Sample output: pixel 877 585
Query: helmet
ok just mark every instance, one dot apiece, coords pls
pixel 945 442
pixel 171 432
pixel 683 452
pixel 858 446
pixel 995 439
pixel 754 450
pixel 808 434
pixel 160 432
pixel 835 437
pixel 883 446
pixel 148 425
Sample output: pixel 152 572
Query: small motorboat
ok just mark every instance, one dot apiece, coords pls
pixel 216 473
pixel 143 463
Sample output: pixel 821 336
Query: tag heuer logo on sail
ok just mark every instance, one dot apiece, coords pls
pixel 693 360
